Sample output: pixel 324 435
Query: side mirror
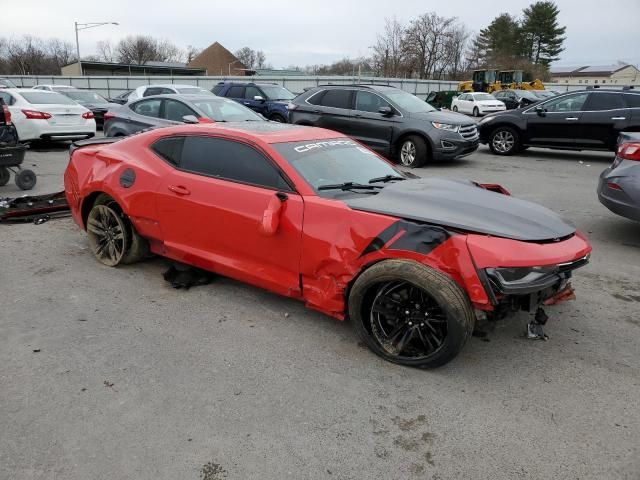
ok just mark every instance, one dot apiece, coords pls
pixel 540 110
pixel 190 119
pixel 385 111
pixel 271 216
pixel 259 98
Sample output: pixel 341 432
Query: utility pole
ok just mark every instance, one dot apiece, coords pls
pixel 84 26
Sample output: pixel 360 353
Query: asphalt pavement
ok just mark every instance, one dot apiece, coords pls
pixel 112 374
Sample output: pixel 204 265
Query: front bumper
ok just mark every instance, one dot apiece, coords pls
pixel 450 145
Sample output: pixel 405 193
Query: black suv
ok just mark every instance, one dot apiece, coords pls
pixel 581 120
pixel 388 120
pixel 268 99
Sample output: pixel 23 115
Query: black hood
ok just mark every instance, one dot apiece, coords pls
pixel 465 206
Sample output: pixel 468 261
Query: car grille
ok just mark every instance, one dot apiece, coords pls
pixel 468 132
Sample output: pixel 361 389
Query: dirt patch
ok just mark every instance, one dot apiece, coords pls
pixel 212 471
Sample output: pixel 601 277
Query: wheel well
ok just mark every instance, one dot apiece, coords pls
pixel 277 114
pixel 87 205
pixel 398 142
pixel 509 125
pixel 347 290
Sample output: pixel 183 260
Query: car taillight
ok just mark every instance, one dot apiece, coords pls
pixel 629 151
pixel 35 115
pixel 88 115
pixel 7 114
pixel 109 116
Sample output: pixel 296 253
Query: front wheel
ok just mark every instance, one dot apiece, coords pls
pixel 476 112
pixel 504 141
pixel 278 118
pixel 410 314
pixel 455 108
pixel 413 151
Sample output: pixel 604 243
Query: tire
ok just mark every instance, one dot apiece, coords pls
pixel 435 330
pixel 26 179
pixel 5 176
pixel 278 118
pixel 413 151
pixel 112 238
pixel 504 141
pixel 476 112
pixel 455 108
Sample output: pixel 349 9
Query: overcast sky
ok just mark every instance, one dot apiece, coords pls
pixel 306 32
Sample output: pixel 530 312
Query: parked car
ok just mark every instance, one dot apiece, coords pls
pixel 55 88
pixel 619 185
pixel 91 100
pixel 122 98
pixel 39 114
pixel 6 83
pixel 516 98
pixel 544 94
pixel 168 89
pixel 311 214
pixel 442 99
pixel 268 99
pixel 166 110
pixel 581 120
pixel 477 103
pixel 387 119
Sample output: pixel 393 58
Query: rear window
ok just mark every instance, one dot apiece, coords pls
pixel 46 98
pixel 193 91
pixel 87 97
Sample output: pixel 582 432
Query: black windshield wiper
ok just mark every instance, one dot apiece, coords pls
pixel 386 178
pixel 348 186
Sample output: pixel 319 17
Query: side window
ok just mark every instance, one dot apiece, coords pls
pixel 571 103
pixel 632 100
pixel 337 99
pixel 369 102
pixel 148 108
pixel 170 149
pixel 316 98
pixel 217 89
pixel 605 101
pixel 235 92
pixel 251 92
pixel 216 157
pixel 175 110
pixel 463 97
pixel 8 99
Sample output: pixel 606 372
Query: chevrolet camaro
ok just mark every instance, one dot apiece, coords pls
pixel 312 214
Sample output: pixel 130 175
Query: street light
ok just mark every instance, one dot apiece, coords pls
pixel 85 26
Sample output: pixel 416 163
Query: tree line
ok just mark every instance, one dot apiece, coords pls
pixel 428 46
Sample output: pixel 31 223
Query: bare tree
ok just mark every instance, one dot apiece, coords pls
pixel 424 42
pixel 141 49
pixel 387 52
pixel 191 53
pixel 63 53
pixel 261 58
pixel 106 51
pixel 247 56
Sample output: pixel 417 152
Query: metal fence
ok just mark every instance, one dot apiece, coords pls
pixel 111 86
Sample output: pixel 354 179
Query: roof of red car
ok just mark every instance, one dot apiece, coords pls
pixel 268 132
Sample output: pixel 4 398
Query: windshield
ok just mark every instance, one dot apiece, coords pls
pixel 334 161
pixel 193 91
pixel 47 98
pixel 527 94
pixel 86 97
pixel 409 103
pixel 276 92
pixel 5 82
pixel 483 96
pixel 222 110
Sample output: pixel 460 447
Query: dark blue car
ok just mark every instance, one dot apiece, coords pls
pixel 268 99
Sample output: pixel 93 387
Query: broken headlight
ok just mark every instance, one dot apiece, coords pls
pixel 523 280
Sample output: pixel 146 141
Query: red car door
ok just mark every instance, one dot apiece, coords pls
pixel 228 208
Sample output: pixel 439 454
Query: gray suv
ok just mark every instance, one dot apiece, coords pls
pixel 388 120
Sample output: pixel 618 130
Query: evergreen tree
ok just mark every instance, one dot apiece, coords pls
pixel 542 37
pixel 499 40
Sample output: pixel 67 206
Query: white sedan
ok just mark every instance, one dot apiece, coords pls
pixel 477 104
pixel 166 89
pixel 40 114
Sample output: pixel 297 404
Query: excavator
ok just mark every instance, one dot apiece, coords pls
pixel 493 80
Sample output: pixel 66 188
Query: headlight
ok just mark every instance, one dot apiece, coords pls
pixel 524 280
pixel 446 126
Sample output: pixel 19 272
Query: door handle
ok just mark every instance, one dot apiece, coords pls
pixel 357 115
pixel 618 118
pixel 571 119
pixel 179 189
pixel 246 103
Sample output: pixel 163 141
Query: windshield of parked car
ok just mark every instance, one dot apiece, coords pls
pixel 335 161
pixel 526 94
pixel 407 102
pixel 483 96
pixel 47 98
pixel 6 83
pixel 86 97
pixel 276 92
pixel 193 91
pixel 222 110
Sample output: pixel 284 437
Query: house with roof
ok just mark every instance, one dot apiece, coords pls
pixel 217 60
pixel 597 75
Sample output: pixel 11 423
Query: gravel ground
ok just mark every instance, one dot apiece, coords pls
pixel 112 374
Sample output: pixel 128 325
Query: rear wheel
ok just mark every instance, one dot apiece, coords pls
pixel 26 179
pixel 277 118
pixel 413 151
pixel 504 141
pixel 455 108
pixel 410 314
pixel 5 175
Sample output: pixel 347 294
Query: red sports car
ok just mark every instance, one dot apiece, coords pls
pixel 311 214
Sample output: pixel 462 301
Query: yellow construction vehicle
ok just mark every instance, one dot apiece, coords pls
pixel 513 79
pixel 483 81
